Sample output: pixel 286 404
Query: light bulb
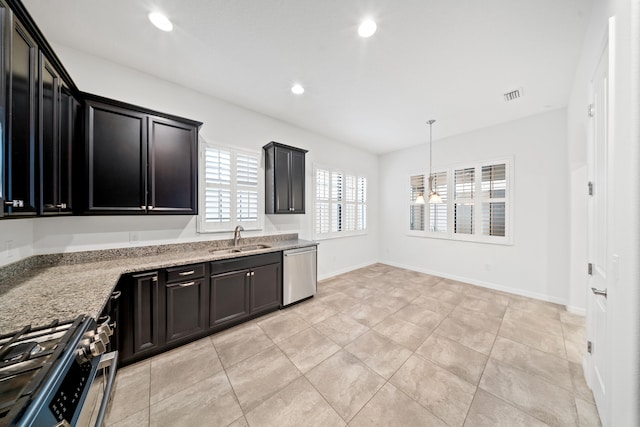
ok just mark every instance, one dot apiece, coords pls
pixel 367 28
pixel 160 21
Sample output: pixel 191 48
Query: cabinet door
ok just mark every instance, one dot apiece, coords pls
pixel 185 309
pixel 173 167
pixel 69 133
pixel 266 288
pixel 296 180
pixel 49 137
pixel 111 314
pixel 282 174
pixel 4 24
pixel 117 158
pixel 21 130
pixel 146 313
pixel 229 297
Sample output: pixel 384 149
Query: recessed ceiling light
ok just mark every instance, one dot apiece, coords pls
pixel 297 89
pixel 160 21
pixel 367 28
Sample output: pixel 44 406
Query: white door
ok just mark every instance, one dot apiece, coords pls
pixel 598 366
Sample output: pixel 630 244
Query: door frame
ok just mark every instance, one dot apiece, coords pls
pixel 608 46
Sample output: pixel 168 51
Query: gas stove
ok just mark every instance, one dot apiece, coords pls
pixel 47 372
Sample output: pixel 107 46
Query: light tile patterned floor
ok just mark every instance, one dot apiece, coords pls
pixel 377 346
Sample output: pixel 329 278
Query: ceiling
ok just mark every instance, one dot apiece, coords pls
pixel 447 60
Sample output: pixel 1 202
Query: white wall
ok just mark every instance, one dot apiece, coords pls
pixel 223 123
pixel 623 322
pixel 536 264
pixel 16 240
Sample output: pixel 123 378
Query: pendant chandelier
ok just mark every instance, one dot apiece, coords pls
pixel 434 197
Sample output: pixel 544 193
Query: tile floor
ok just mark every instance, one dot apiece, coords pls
pixel 377 346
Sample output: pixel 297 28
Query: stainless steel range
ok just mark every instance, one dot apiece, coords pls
pixel 46 373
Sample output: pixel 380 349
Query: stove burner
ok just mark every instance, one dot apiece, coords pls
pixel 21 351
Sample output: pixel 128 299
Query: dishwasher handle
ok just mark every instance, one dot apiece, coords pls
pixel 302 251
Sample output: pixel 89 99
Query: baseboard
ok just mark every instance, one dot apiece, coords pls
pixel 488 285
pixel 346 270
pixel 580 311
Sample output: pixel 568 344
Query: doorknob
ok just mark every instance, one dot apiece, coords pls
pixel 599 292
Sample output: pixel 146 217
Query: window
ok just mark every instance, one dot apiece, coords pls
pixel 340 203
pixel 475 203
pixel 230 190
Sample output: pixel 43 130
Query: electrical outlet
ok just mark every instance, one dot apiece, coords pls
pixel 134 237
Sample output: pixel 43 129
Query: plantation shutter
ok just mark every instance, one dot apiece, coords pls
pixel 416 212
pixel 493 194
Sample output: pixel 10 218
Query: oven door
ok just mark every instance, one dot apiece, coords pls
pixel 71 402
pixel 94 408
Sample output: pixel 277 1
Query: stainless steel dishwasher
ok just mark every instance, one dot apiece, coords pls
pixel 299 274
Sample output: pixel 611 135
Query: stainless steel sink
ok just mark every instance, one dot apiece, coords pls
pixel 239 249
pixel 252 247
pixel 224 251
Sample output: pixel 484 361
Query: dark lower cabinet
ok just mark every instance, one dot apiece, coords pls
pixel 186 307
pixel 266 288
pixel 229 297
pixel 242 288
pixel 146 313
pixel 162 309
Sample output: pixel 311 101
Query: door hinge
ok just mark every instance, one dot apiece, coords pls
pixel 589 347
pixel 591 110
pixel 590 185
pixel 590 269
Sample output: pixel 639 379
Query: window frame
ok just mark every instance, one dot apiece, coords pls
pixel 345 204
pixel 477 201
pixel 207 227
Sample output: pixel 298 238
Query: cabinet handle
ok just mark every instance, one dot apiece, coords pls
pixel 116 295
pixel 15 203
pixel 144 208
pixel 186 273
pixel 253 273
pixel 61 206
pixel 154 279
pixel 248 274
pixel 186 285
pixel 150 207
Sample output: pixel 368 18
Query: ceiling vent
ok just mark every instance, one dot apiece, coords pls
pixel 513 95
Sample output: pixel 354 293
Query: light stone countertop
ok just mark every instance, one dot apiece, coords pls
pixel 63 286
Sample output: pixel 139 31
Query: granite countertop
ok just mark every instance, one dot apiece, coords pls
pixel 44 288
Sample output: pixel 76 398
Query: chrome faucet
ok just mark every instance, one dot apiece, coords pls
pixel 236 235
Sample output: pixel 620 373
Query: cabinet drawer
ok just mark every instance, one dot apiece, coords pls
pixel 182 273
pixel 241 263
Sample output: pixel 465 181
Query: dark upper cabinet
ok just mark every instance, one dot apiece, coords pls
pixel 116 158
pixel 173 166
pixel 57 116
pixel 138 162
pixel 70 136
pixel 37 120
pixel 21 59
pixel 284 179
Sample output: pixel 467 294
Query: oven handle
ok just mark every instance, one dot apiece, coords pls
pixel 107 360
